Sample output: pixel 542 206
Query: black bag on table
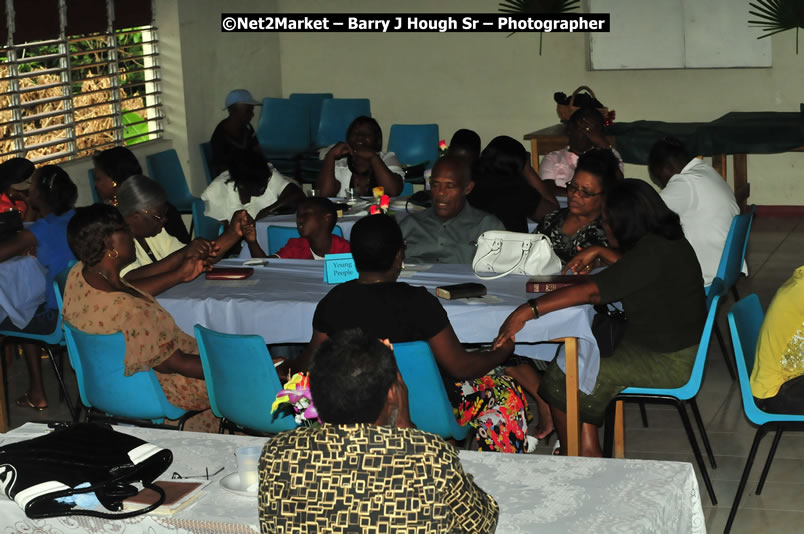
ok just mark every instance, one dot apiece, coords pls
pixel 608 327
pixel 37 472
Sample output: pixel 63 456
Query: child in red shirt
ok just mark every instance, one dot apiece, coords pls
pixel 315 219
pixel 15 176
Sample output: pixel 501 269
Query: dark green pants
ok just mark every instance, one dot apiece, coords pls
pixel 629 366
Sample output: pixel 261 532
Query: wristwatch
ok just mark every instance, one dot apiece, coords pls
pixel 533 303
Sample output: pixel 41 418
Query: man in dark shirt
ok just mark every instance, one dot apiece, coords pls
pixel 367 467
pixel 234 133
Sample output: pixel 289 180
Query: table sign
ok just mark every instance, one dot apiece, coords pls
pixel 339 268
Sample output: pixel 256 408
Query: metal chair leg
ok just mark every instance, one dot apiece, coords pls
pixel 744 479
pixel 771 454
pixel 696 451
pixel 699 421
pixel 726 354
pixel 61 383
pixel 644 413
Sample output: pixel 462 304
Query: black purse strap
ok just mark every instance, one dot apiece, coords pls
pixel 107 515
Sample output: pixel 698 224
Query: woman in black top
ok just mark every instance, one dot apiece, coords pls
pixel 656 276
pixel 483 396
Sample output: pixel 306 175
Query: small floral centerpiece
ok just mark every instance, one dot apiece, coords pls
pixel 382 205
pixel 295 400
pixel 442 148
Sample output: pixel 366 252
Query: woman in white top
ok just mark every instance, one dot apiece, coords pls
pixel 250 184
pixel 358 163
pixel 162 261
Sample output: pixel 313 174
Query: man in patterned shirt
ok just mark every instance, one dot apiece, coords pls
pixel 367 468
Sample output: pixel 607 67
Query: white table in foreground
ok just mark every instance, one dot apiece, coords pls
pixel 535 493
pixel 279 300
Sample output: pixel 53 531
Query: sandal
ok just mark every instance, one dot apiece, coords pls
pixel 25 402
pixel 557 448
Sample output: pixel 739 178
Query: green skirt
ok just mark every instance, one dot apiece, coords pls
pixel 629 366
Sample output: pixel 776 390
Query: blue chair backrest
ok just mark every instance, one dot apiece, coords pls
pixel 96 199
pixel 407 189
pixel 283 126
pixel 278 236
pixel 165 168
pixel 731 261
pixel 430 409
pixel 98 363
pixel 204 226
pixel 414 143
pixel 336 115
pixel 312 102
pixel 241 380
pixel 206 160
pixel 59 282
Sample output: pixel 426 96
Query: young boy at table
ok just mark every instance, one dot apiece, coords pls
pixel 315 220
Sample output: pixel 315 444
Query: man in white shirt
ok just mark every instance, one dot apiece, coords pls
pixel 700 196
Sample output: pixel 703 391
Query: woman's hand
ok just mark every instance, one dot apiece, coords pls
pixel 198 248
pixel 340 150
pixel 190 268
pixel 250 232
pixel 361 151
pixel 584 260
pixel 239 218
pixel 513 324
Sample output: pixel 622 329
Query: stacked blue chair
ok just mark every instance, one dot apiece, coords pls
pixel 283 132
pixel 206 161
pixel 730 267
pixel 165 168
pixel 685 394
pixel 336 115
pixel 745 320
pixel 312 103
pixel 278 236
pixel 95 196
pixel 137 399
pixel 205 227
pixel 241 382
pixel 430 409
pixel 414 143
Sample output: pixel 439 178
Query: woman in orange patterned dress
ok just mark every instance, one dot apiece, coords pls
pixel 98 300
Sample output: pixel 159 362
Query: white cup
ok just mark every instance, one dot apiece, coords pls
pixel 248 459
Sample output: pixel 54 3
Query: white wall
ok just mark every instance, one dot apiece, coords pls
pixel 498 85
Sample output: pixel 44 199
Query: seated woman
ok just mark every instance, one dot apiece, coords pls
pixel 656 276
pixel 315 220
pixel 384 308
pixel 15 181
pixel 52 195
pixel 234 135
pixel 113 167
pixel 98 300
pixel 159 256
pixel 585 131
pixel 359 163
pixel 251 184
pixel 777 380
pixel 503 188
pixel 578 226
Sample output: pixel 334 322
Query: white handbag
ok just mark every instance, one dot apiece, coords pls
pixel 502 253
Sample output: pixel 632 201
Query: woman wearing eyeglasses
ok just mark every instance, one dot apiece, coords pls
pixel 53 195
pixel 579 226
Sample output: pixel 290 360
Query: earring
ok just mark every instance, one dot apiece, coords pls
pixel 113 254
pixel 114 184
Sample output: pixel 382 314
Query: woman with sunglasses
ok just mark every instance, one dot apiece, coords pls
pixel 579 226
pixel 161 261
pixel 52 195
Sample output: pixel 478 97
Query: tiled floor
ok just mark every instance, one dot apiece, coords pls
pixel 775 249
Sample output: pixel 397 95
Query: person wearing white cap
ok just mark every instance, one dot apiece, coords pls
pixel 234 133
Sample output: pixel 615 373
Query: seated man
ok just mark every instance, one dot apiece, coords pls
pixel 315 219
pixel 700 196
pixel 777 380
pixel 447 232
pixel 234 133
pixel 367 467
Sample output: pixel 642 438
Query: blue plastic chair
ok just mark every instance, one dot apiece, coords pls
pixel 414 143
pixel 730 267
pixel 283 129
pixel 312 102
pixel 96 199
pixel 745 320
pixel 241 381
pixel 137 399
pixel 278 236
pixel 205 227
pixel 206 160
pixel 685 394
pixel 430 409
pixel 336 115
pixel 165 168
pixel 407 189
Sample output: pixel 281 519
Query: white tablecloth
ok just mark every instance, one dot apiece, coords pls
pixel 22 289
pixel 279 300
pixel 535 493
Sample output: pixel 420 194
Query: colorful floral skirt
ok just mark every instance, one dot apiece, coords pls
pixel 496 407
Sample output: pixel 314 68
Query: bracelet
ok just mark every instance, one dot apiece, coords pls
pixel 533 303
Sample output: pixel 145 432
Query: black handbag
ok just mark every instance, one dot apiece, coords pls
pixel 608 327
pixel 10 224
pixel 41 474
